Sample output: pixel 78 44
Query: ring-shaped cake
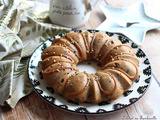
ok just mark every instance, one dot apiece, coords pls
pixel 119 67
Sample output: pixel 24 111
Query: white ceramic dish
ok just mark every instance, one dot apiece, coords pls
pixel 137 90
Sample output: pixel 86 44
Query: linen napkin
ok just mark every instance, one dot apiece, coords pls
pixel 24 25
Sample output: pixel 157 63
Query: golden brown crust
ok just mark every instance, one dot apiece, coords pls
pixel 119 67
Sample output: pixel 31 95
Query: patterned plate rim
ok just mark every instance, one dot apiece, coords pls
pixel 86 112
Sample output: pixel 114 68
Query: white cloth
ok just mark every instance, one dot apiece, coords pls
pixel 24 25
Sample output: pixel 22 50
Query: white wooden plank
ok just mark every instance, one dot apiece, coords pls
pixel 118 115
pixel 132 113
pixel 149 104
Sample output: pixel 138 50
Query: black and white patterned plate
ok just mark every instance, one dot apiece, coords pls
pixel 137 90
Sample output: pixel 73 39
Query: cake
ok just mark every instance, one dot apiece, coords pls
pixel 119 67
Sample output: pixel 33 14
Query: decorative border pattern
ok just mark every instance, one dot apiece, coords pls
pixel 137 90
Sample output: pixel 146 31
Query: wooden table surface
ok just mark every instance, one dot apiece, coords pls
pixel 147 108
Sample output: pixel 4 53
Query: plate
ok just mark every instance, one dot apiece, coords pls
pixel 137 90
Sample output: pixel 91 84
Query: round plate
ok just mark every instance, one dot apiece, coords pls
pixel 137 90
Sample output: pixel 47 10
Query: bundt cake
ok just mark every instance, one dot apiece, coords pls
pixel 119 67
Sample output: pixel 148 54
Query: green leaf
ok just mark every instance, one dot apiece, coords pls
pixel 1 73
pixel 6 90
pixel 54 30
pixel 44 27
pixel 41 40
pixel 4 73
pixel 45 36
pixel 39 27
pixel 28 33
pixel 22 68
pixel 47 30
pixel 25 91
pixel 2 82
pixel 49 33
pixel 34 29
